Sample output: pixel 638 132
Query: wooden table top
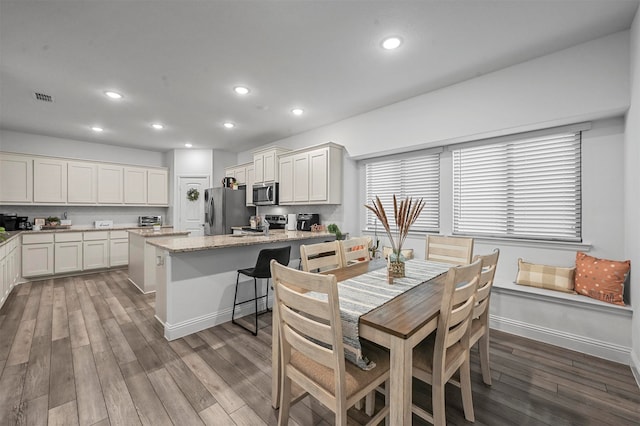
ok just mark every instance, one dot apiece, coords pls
pixel 405 314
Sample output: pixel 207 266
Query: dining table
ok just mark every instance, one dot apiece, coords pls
pixel 398 325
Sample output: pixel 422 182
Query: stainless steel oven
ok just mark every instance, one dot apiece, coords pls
pixel 265 194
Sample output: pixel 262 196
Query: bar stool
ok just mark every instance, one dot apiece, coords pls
pixel 261 270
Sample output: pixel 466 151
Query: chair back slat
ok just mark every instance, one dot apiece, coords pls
pixel 460 320
pixel 320 257
pixel 489 265
pixel 454 318
pixel 354 250
pixel 454 250
pixel 309 348
pixel 293 297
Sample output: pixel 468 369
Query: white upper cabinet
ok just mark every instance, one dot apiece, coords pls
pixel 318 175
pixel 286 179
pixel 110 184
pixel 82 183
pixel 157 187
pixel 49 181
pixel 312 176
pixel 266 164
pixel 16 178
pixel 301 177
pixel 251 176
pixel 238 172
pixel 34 179
pixel 135 185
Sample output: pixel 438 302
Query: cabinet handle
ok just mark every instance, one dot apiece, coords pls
pixel 159 260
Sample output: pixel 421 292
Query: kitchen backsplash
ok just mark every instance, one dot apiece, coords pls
pixel 86 215
pixel 328 213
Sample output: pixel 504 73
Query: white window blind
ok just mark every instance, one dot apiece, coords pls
pixel 417 177
pixel 526 188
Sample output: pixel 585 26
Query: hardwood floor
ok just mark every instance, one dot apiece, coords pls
pixel 87 350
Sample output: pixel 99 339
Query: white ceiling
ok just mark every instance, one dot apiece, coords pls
pixel 177 61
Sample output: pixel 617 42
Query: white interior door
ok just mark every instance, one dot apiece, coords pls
pixel 192 212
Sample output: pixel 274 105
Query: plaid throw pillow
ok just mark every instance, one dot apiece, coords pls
pixel 545 276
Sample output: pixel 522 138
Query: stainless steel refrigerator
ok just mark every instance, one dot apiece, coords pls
pixel 224 208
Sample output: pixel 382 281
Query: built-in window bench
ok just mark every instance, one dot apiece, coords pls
pixel 568 320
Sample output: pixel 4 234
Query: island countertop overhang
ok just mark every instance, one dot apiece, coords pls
pixel 191 244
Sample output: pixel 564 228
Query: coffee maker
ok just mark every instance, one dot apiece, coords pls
pixel 8 221
pixel 307 220
pixel 23 224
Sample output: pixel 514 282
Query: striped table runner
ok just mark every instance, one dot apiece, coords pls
pixel 366 292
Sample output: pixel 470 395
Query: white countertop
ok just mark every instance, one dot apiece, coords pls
pixel 179 245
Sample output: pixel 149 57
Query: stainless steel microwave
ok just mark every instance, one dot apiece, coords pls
pixel 265 194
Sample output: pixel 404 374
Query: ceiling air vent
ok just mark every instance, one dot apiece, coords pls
pixel 42 97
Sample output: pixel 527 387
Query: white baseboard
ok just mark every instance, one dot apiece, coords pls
pixel 635 367
pixel 138 287
pixel 184 328
pixel 571 341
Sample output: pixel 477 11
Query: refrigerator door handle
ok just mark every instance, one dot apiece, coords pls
pixel 211 212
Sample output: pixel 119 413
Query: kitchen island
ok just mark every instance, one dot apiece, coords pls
pixel 142 272
pixel 196 276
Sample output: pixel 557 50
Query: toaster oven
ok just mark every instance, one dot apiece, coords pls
pixel 149 220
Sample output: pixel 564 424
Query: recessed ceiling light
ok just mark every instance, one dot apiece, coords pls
pixel 241 90
pixel 229 125
pixel 188 145
pixel 391 43
pixel 297 111
pixel 158 126
pixel 113 95
pixel 97 129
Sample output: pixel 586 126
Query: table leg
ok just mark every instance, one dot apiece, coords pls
pixel 400 378
pixel 275 360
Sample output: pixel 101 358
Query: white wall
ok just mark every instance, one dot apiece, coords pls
pixel 222 159
pixel 631 189
pixel 27 143
pixel 587 81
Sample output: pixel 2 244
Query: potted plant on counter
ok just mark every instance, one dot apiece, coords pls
pixel 53 221
pixel 333 228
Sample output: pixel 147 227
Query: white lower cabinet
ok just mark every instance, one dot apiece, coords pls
pixel 95 252
pixel 118 248
pixel 68 252
pixel 37 255
pixel 9 268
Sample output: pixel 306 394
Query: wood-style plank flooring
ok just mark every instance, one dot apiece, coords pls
pixel 87 350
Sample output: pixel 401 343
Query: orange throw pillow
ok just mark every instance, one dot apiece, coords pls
pixel 601 279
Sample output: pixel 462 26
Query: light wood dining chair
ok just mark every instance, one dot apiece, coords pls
pixel 437 358
pixel 312 350
pixel 354 250
pixel 480 323
pixel 320 257
pixel 454 250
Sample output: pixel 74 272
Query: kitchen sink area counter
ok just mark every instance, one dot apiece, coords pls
pixel 196 276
